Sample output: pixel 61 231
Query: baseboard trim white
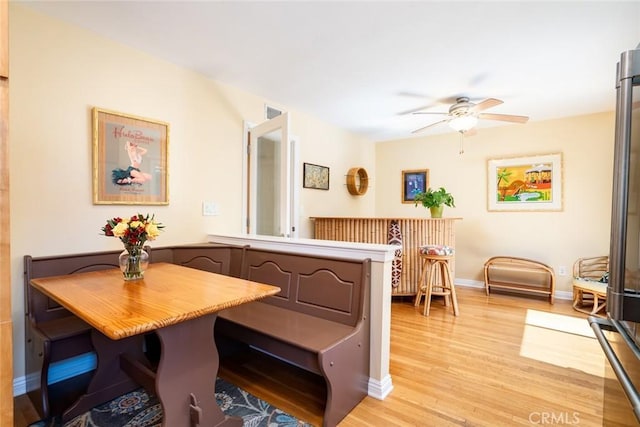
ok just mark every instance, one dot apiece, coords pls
pixel 564 295
pixel 380 389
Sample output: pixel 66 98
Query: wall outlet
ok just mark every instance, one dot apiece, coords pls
pixel 210 208
pixel 562 270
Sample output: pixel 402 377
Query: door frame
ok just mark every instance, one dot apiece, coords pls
pixel 292 169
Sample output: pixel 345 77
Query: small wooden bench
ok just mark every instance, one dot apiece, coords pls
pixel 318 322
pixel 520 275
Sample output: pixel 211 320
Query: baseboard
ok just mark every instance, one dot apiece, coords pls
pixel 564 295
pixel 58 371
pixel 469 283
pixel 380 389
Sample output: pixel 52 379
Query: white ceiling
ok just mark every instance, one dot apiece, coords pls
pixel 359 64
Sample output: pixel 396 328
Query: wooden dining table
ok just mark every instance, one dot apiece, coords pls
pixel 178 303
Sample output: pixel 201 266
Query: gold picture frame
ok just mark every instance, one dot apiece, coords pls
pixel 531 183
pixel 414 182
pixel 130 159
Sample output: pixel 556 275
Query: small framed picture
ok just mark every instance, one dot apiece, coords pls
pixel 315 176
pixel 414 182
pixel 130 165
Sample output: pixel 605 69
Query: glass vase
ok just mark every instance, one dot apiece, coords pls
pixel 133 262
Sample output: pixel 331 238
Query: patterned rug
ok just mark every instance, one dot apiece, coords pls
pixel 140 409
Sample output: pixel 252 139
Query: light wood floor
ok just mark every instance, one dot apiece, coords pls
pixel 505 361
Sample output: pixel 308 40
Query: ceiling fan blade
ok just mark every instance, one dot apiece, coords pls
pixel 432 124
pixel 504 117
pixel 487 103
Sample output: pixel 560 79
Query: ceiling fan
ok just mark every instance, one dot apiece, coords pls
pixel 464 115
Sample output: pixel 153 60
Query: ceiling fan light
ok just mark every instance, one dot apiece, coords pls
pixel 463 123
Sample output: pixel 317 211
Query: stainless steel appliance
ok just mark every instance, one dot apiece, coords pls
pixel 619 333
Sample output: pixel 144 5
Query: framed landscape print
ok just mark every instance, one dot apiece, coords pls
pixel 130 164
pixel 532 183
pixel 414 182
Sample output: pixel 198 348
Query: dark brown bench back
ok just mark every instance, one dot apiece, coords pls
pixel 41 308
pixel 329 288
pixel 214 258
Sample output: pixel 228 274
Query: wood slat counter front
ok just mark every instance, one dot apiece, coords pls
pixel 416 232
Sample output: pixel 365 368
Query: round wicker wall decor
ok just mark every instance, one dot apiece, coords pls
pixel 357 181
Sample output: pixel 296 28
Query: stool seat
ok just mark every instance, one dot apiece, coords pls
pixel 435 258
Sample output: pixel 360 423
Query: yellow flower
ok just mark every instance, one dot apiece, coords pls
pixel 135 224
pixel 120 229
pixel 152 230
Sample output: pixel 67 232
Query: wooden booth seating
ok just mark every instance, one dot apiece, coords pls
pixel 318 322
pixel 52 333
pixel 214 258
pixel 520 275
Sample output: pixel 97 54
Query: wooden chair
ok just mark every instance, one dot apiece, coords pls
pixel 589 292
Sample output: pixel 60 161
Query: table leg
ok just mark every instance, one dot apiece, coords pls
pixel 189 366
pixel 108 381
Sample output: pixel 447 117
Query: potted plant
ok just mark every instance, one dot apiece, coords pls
pixel 435 201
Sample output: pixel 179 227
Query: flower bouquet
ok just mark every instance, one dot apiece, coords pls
pixel 133 233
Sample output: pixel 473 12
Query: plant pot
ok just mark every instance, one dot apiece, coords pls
pixel 436 211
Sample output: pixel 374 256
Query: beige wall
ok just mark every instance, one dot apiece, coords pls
pixel 59 72
pixel 556 238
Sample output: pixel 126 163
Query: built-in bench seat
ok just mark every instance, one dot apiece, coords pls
pixel 317 322
pixel 53 334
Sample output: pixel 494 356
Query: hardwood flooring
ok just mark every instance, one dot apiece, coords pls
pixel 506 360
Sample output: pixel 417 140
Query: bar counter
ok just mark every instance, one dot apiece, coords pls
pixel 415 232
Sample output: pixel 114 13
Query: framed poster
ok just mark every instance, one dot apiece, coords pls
pixel 130 164
pixel 532 183
pixel 414 182
pixel 315 176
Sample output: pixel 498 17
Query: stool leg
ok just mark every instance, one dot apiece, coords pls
pixel 452 289
pixel 427 298
pixel 420 284
pixel 445 285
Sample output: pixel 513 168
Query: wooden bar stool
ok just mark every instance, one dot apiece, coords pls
pixel 435 258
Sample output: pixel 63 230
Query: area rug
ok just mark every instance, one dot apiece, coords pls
pixel 139 409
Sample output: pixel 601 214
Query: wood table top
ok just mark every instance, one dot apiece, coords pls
pixel 168 294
